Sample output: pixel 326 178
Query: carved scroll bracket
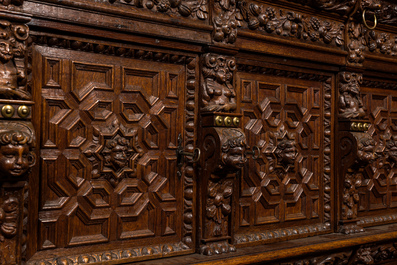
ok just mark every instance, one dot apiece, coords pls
pixel 224 154
pixel 356 152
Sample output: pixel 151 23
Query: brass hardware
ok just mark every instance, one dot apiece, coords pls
pixel 7 111
pixel 228 121
pixel 365 22
pixel 359 126
pixel 180 153
pixel 23 111
pixel 218 121
pixel 236 121
pixel 255 152
pixel 354 126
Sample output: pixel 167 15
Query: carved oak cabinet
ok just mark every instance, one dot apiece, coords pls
pixel 198 132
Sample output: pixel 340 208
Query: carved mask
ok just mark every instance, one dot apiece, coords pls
pixel 15 155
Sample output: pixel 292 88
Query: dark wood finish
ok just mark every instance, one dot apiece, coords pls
pixel 198 132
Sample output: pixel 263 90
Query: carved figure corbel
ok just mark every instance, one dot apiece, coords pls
pixel 12 46
pixel 356 151
pixel 350 102
pixel 218 93
pixel 224 154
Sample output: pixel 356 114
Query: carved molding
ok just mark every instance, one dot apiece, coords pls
pixel 364 255
pixel 123 255
pixel 217 90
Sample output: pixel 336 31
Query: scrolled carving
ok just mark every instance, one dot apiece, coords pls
pixel 225 156
pixel 218 93
pixel 289 23
pixel 12 46
pixel 350 102
pixel 357 150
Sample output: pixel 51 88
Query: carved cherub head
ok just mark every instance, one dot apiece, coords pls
pixel 286 152
pixel 116 152
pixel 233 151
pixel 366 149
pixel 16 156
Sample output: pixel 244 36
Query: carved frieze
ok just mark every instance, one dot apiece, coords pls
pixel 196 9
pixel 217 89
pixel 340 6
pixel 267 19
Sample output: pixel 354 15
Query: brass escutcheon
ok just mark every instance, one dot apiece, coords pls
pixel 23 111
pixel 366 126
pixel 228 121
pixel 7 111
pixel 360 126
pixel 236 121
pixel 218 121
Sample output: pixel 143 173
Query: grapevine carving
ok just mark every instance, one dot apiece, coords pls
pixel 290 24
pixel 193 9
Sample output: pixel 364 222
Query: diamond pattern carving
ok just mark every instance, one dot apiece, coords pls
pixel 286 124
pixel 115 175
pixel 377 191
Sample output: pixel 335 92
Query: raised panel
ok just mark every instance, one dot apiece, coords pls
pixel 108 157
pixel 284 188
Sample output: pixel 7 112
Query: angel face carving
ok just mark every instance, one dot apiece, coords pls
pixel 116 153
pixel 366 149
pixel 233 153
pixel 15 155
pixel 286 152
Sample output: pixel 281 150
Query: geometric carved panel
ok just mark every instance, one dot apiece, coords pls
pixel 108 161
pixel 284 188
pixel 378 196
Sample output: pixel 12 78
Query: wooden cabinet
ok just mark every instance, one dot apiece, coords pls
pixel 198 132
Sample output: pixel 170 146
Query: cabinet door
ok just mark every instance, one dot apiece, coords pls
pixel 109 184
pixel 286 192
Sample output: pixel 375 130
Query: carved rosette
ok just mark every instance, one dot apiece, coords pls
pixel 113 152
pixel 217 91
pixel 350 101
pixel 224 155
